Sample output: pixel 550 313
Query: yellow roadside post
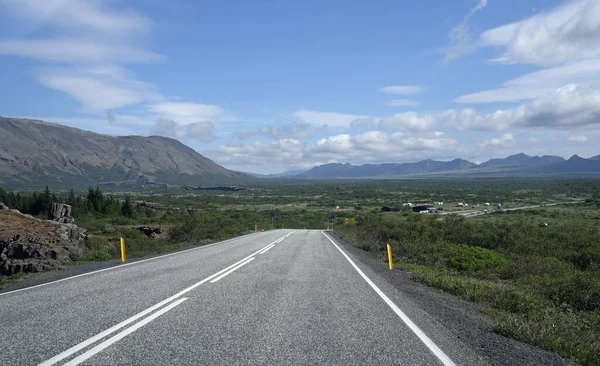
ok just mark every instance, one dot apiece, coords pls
pixel 389 248
pixel 122 250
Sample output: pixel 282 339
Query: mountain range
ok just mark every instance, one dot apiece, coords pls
pixel 514 165
pixel 36 153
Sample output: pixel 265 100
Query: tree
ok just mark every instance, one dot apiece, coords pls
pixel 95 199
pixel 71 198
pixel 127 207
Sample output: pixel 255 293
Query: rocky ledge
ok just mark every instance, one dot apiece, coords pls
pixel 28 244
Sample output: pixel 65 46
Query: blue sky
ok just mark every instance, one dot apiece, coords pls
pixel 268 86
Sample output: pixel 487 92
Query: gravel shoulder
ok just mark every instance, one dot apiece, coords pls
pixel 461 317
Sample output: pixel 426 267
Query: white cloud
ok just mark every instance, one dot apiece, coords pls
pixel 402 89
pixel 400 103
pixel 568 107
pixel 69 50
pixel 92 37
pixel 568 32
pixel 539 83
pixel 377 146
pixel 295 130
pixel 259 154
pixel 461 39
pixel 507 140
pixel 577 139
pixel 165 127
pixel 371 146
pixel 363 123
pixel 98 89
pixel 201 131
pixel 408 121
pixel 186 113
pixel 91 16
pixel 330 119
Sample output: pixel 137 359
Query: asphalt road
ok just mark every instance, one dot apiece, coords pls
pixel 281 297
pixel 473 213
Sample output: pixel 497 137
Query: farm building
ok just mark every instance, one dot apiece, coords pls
pixel 424 208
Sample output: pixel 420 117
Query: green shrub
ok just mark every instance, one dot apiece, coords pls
pixel 99 249
pixel 471 259
pixel 98 255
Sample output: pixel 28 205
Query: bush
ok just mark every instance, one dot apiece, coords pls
pixel 99 249
pixel 98 255
pixel 471 259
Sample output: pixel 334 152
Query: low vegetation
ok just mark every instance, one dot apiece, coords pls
pixel 540 284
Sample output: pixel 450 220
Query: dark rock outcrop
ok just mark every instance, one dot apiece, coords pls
pixel 30 245
pixel 61 212
pixel 150 232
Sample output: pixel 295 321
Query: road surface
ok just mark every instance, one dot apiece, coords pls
pixel 280 297
pixel 473 213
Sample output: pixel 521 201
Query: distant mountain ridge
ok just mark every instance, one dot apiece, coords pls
pixel 523 160
pixel 385 170
pixel 35 153
pixel 514 165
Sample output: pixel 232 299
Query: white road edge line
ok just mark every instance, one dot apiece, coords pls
pixel 107 343
pixel 124 265
pixel 418 332
pixel 78 347
pixel 267 248
pixel 233 269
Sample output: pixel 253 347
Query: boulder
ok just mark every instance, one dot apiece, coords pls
pixel 149 231
pixel 61 212
pixel 3 206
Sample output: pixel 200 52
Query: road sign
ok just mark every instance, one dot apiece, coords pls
pixel 272 214
pixel 331 217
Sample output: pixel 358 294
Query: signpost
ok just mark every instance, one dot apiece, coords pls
pixel 272 216
pixel 122 250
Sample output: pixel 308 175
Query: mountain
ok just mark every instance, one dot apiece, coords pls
pixel 36 153
pixel 285 174
pixel 522 160
pixel 575 164
pixel 335 170
pixel 597 157
pixel 512 166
